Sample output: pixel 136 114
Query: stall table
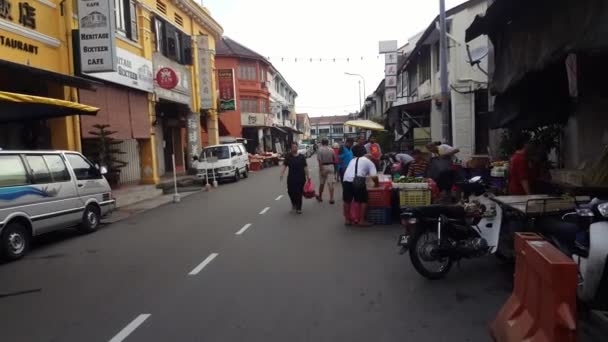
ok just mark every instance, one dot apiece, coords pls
pixel 536 204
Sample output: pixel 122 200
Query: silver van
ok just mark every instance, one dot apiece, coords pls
pixel 42 191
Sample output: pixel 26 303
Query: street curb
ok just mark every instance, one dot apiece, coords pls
pixel 123 213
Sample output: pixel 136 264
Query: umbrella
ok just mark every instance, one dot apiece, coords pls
pixel 365 124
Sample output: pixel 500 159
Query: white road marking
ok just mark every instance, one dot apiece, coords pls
pixel 279 198
pixel 124 333
pixel 245 227
pixel 202 265
pixel 264 211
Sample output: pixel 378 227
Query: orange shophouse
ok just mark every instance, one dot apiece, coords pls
pixel 247 114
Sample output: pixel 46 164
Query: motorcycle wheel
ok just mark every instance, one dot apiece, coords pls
pixel 419 247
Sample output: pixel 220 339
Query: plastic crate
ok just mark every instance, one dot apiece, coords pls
pixel 381 216
pixel 379 198
pixel 414 198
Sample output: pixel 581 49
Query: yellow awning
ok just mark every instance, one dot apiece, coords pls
pixel 19 107
pixel 365 124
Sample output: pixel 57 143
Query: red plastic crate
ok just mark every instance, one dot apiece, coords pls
pixel 255 166
pixel 379 198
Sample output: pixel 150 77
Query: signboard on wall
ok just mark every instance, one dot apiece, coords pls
pixel 97 44
pixel 132 71
pixel 225 82
pixel 182 92
pixel 204 72
pixel 256 120
pixel 391 56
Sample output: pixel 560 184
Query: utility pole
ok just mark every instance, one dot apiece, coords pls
pixel 443 64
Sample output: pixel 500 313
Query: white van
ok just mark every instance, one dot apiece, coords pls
pixel 43 191
pixel 223 162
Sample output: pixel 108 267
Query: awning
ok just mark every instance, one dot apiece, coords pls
pixel 290 129
pixel 71 81
pixel 280 130
pixel 19 107
pixel 365 124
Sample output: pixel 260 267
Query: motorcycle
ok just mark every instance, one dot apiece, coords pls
pixel 583 235
pixel 439 235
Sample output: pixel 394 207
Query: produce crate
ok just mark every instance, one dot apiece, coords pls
pixel 255 166
pixel 381 216
pixel 379 197
pixel 414 198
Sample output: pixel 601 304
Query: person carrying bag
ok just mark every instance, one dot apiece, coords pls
pixel 355 188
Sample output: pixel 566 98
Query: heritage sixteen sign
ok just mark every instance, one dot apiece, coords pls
pixel 97 45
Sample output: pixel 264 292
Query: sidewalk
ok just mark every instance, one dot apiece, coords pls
pixel 136 199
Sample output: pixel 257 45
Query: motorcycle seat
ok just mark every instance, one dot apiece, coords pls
pixel 434 211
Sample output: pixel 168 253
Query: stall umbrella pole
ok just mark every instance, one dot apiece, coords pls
pixel 176 196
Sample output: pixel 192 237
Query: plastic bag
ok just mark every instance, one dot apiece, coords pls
pixel 309 189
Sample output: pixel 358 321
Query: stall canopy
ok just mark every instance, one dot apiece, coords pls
pixel 365 124
pixel 19 107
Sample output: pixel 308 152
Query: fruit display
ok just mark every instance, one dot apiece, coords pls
pixel 404 179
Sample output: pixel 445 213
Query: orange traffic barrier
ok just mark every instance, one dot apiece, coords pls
pixel 542 307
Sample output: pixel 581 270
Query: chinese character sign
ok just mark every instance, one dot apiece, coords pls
pixel 26 15
pixel 225 80
pixel 204 73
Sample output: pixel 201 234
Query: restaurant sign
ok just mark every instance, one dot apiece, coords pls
pixel 225 80
pixel 133 71
pixel 97 45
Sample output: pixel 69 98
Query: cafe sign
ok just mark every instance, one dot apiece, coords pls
pixel 132 71
pixel 97 45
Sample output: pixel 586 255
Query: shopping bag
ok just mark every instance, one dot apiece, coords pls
pixel 355 210
pixel 309 189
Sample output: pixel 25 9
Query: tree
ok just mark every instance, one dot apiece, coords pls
pixel 104 152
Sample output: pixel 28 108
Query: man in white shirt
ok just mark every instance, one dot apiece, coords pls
pixel 363 167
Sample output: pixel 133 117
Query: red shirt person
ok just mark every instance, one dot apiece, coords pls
pixel 520 176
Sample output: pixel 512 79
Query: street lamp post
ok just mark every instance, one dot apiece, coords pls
pixel 364 92
pixel 443 65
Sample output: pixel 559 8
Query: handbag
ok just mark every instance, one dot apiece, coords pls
pixel 359 183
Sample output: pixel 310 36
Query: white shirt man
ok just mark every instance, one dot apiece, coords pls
pixel 365 168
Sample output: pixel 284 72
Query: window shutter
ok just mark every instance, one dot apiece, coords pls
pixel 170 41
pixel 187 44
pixel 133 16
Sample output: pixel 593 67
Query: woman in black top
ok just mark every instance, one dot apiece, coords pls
pixel 296 178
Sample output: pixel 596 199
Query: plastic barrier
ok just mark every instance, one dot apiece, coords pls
pixel 542 307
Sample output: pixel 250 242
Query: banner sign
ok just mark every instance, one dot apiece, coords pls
pixel 225 80
pixel 391 56
pixel 133 71
pixel 97 45
pixel 204 72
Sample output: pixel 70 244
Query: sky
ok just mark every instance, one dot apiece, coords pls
pixel 286 30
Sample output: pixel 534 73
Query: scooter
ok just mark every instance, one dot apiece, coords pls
pixel 583 235
pixel 438 235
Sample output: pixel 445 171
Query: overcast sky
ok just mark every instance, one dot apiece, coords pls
pixel 324 29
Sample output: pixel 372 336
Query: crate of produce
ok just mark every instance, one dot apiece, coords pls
pixel 255 166
pixel 380 216
pixel 379 197
pixel 414 198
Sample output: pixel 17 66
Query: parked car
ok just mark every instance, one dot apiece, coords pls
pixel 223 162
pixel 303 150
pixel 44 191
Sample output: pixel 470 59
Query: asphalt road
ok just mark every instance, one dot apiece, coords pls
pixel 181 273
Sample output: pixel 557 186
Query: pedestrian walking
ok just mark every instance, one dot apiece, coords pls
pixel 296 178
pixel 336 149
pixel 345 155
pixel 354 187
pixel 326 159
